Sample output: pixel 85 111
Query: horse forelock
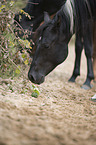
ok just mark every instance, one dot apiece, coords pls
pixel 38 34
pixel 40 30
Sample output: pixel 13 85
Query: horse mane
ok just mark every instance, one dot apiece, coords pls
pixel 82 12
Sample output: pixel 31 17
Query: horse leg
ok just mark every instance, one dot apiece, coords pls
pixel 88 52
pixel 94 51
pixel 78 51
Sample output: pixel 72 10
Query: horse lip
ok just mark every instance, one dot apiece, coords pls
pixel 41 80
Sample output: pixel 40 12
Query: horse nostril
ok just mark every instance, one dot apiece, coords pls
pixel 31 77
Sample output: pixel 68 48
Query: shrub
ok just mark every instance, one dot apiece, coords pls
pixel 10 44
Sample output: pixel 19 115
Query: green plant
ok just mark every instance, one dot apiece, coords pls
pixel 35 91
pixel 10 44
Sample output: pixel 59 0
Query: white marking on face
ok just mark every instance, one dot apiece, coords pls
pixel 40 38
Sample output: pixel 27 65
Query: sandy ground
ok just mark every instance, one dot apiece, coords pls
pixel 63 113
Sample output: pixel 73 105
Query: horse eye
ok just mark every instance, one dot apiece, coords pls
pixel 40 38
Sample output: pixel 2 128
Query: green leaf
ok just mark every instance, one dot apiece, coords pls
pixel 35 95
pixel 26 61
pixel 35 92
pixel 17 71
pixel 23 55
pixel 11 3
pixel 3 6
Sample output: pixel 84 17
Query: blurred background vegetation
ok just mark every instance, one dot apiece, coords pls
pixel 20 3
pixel 11 58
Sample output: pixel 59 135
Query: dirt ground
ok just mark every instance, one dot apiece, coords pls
pixel 63 113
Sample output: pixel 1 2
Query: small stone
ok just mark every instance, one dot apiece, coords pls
pixel 94 98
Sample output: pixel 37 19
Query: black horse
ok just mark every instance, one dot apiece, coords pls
pixel 36 8
pixel 75 16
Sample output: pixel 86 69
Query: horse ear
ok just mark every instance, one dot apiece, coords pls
pixel 57 23
pixel 46 17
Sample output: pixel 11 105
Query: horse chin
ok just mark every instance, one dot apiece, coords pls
pixel 40 81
